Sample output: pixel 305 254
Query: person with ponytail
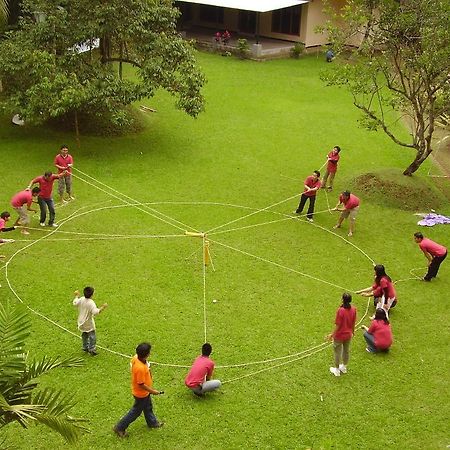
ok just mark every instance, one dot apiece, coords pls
pixel 379 335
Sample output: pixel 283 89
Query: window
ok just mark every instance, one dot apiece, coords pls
pixel 212 14
pixel 247 21
pixel 287 20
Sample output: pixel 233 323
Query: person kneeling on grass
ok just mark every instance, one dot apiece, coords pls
pixel 379 335
pixel 4 217
pixel 342 335
pixel 382 290
pixel 199 377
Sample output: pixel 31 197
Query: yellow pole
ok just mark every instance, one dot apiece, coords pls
pixel 206 256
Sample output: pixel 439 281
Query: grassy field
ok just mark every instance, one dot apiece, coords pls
pixel 277 281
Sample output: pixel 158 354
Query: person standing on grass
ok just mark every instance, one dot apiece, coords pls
pixel 342 335
pixel 199 377
pixel 19 201
pixel 382 290
pixel 332 162
pixel 142 389
pixel 312 184
pixel 87 309
pixel 4 217
pixel 64 162
pixel 45 196
pixel 349 209
pixel 434 252
pixel 379 336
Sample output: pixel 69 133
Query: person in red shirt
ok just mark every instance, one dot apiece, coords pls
pixel 4 217
pixel 19 201
pixel 199 377
pixel 312 184
pixel 379 336
pixel 342 335
pixel 382 290
pixel 349 209
pixel 141 388
pixel 332 162
pixel 64 163
pixel 434 252
pixel 45 196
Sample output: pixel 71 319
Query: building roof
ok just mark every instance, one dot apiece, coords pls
pixel 250 5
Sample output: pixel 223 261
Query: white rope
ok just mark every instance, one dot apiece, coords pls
pixel 133 200
pixel 251 214
pixel 112 238
pixel 281 266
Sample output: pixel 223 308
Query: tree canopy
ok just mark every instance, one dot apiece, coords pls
pixel 45 75
pixel 401 66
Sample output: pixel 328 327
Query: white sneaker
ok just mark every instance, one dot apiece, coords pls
pixel 342 368
pixel 336 227
pixel 7 240
pixel 54 225
pixel 25 232
pixel 310 220
pixel 335 371
pixel 42 224
pixel 350 234
pixel 71 198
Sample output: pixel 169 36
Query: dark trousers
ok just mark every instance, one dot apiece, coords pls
pixel 301 205
pixel 370 341
pixel 43 203
pixel 140 405
pixel 433 268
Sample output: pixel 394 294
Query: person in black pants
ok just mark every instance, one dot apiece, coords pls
pixel 312 184
pixel 434 252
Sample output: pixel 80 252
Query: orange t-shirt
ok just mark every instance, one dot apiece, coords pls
pixel 140 374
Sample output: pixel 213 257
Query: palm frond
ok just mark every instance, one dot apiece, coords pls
pixel 68 427
pixel 14 330
pixel 38 367
pixel 57 403
pixel 4 11
pixel 21 413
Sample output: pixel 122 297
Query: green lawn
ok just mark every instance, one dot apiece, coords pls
pixel 266 127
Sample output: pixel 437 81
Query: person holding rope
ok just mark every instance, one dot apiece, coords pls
pixel 199 377
pixel 142 389
pixel 19 201
pixel 64 162
pixel 45 199
pixel 350 207
pixel 379 336
pixel 332 162
pixel 311 185
pixel 382 290
pixel 4 217
pixel 434 252
pixel 342 335
pixel 87 309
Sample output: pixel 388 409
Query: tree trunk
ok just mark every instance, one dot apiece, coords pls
pixel 419 159
pixel 77 130
pixel 105 49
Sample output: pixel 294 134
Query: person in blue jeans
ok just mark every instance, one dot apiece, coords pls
pixel 142 389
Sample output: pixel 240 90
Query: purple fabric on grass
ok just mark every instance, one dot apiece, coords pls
pixel 430 220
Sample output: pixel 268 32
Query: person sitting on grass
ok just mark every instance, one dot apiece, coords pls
pixel 379 335
pixel 434 252
pixel 199 377
pixel 342 334
pixel 349 209
pixel 4 217
pixel 87 309
pixel 382 290
pixel 19 201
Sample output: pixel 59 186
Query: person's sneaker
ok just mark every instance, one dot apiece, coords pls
pixel 425 279
pixel 336 227
pixel 120 433
pixel 158 425
pixel 54 225
pixel 71 198
pixel 342 368
pixel 368 350
pixel 93 353
pixel 329 188
pixel 335 371
pixel 42 224
pixel 25 232
pixel 295 212
pixel 310 220
pixel 350 234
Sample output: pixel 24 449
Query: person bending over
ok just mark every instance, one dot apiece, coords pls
pixel 349 209
pixel 434 252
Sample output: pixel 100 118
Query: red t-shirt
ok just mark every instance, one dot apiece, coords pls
pixel 45 185
pixel 311 183
pixel 352 202
pixel 382 334
pixel 431 247
pixel 384 287
pixel 61 161
pixel 201 368
pixel 2 223
pixel 345 321
pixel 333 158
pixel 21 198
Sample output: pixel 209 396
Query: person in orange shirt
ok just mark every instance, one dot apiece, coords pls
pixel 141 388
